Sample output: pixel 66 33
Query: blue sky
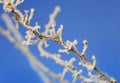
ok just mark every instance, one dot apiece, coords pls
pixel 98 21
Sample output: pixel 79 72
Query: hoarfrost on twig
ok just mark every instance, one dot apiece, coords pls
pixel 12 28
pixel 51 34
pixel 84 47
pixel 52 19
pixel 87 65
pixel 76 75
pixel 68 46
pixel 18 2
pixel 67 66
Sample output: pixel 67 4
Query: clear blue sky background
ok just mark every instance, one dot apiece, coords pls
pixel 98 21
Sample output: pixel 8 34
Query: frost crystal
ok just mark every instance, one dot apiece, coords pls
pixel 68 46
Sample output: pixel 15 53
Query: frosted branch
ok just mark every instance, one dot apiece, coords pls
pixel 59 33
pixel 51 34
pixel 67 67
pixel 85 47
pixel 55 57
pixel 18 2
pixel 52 19
pixel 35 64
pixel 30 35
pixel 27 17
pixel 8 5
pixel 31 14
pixel 12 28
pixel 87 65
pixel 68 46
pixel 76 75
